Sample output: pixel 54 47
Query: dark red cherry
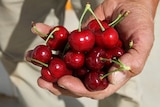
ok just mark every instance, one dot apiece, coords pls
pixel 93 58
pixel 46 75
pixel 58 68
pixel 74 60
pixel 80 73
pixel 59 38
pixel 115 52
pixel 41 53
pixel 94 81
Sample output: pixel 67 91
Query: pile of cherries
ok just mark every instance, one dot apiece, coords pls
pixel 86 53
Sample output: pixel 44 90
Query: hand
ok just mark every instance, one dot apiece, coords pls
pixel 137 27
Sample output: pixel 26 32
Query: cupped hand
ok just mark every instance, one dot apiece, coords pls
pixel 136 27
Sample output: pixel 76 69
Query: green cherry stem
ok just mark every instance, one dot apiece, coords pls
pixel 37 61
pixel 118 62
pixel 67 46
pixel 131 44
pixel 119 18
pixel 82 16
pixel 88 8
pixel 122 66
pixel 113 23
pixel 51 34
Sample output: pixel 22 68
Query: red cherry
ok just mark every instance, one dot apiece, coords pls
pixel 46 75
pixel 81 41
pixel 74 60
pixel 99 39
pixel 93 60
pixel 94 82
pixel 106 21
pixel 41 53
pixel 107 39
pixel 119 43
pixel 59 39
pixel 109 57
pixel 80 73
pixel 111 53
pixel 58 68
pixel 94 26
pixel 115 52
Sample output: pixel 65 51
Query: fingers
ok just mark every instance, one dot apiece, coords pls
pixel 66 85
pixel 54 88
pixel 41 29
pixel 121 75
pixel 76 87
pixel 132 59
pixel 72 86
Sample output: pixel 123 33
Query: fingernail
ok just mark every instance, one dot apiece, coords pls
pixel 62 86
pixel 118 77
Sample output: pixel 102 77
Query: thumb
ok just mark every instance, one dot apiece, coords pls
pixel 73 84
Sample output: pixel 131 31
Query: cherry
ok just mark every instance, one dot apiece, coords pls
pixel 74 60
pixel 97 80
pixel 80 73
pixel 93 61
pixel 107 39
pixel 94 82
pixel 41 53
pixel 94 25
pixel 110 54
pixel 82 41
pixel 119 43
pixel 116 52
pixel 57 38
pixel 88 52
pixel 106 21
pixel 109 57
pixel 58 68
pixel 46 75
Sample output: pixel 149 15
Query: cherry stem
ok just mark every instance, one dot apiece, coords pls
pixel 131 44
pixel 118 62
pixel 82 16
pixel 37 31
pixel 65 48
pixel 119 18
pixel 88 8
pixel 51 34
pixel 37 61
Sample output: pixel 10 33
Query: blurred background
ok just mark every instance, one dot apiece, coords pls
pixel 149 78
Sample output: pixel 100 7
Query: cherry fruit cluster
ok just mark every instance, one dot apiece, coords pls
pixel 86 53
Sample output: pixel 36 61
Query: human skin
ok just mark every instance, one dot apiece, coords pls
pixel 138 27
